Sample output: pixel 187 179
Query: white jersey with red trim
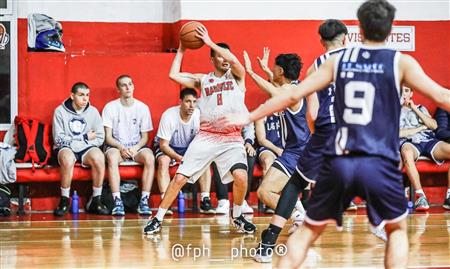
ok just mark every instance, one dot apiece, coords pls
pixel 220 96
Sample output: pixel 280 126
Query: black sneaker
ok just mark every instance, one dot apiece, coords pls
pixel 265 249
pixel 95 206
pixel 153 226
pixel 264 253
pixel 446 204
pixel 244 225
pixel 206 207
pixel 63 207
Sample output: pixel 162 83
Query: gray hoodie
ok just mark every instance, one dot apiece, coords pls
pixel 70 128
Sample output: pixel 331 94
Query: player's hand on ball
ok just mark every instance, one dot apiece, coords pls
pixel 202 33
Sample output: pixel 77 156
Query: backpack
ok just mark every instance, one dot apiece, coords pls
pixel 5 203
pixel 44 33
pixel 129 192
pixel 32 140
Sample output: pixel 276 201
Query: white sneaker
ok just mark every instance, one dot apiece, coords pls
pixel 297 220
pixel 223 207
pixel 246 209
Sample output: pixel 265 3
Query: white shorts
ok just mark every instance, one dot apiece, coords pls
pixel 204 150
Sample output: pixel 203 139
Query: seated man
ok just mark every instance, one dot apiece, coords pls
pixel 78 134
pixel 418 139
pixel 268 135
pixel 177 128
pixel 443 133
pixel 127 122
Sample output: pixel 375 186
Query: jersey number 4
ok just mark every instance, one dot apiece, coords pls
pixel 219 99
pixel 359 100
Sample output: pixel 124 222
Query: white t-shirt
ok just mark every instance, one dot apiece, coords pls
pixel 173 129
pixel 127 123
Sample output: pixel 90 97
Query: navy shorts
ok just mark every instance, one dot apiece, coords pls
pixel 375 179
pixel 426 149
pixel 311 160
pixel 287 161
pixel 262 149
pixel 78 155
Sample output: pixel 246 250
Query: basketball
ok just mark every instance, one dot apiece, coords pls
pixel 187 35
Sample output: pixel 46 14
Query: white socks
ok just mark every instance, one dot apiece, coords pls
pixel 161 213
pixel 65 192
pixel 237 210
pixel 96 191
pixel 116 195
pixel 204 195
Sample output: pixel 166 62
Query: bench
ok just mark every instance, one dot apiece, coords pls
pixel 132 170
pixel 128 171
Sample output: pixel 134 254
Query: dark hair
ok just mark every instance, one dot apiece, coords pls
pixel 79 85
pixel 188 91
pixel 121 77
pixel 375 19
pixel 291 64
pixel 330 29
pixel 222 45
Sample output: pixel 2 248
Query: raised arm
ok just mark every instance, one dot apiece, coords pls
pixel 186 79
pixel 236 67
pixel 264 63
pixel 262 83
pixel 412 74
pixel 315 82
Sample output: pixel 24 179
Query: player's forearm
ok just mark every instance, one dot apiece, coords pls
pixel 110 141
pixel 274 104
pixel 166 149
pixel 175 69
pixel 410 131
pixel 143 141
pixel 268 144
pixel 427 121
pixel 263 84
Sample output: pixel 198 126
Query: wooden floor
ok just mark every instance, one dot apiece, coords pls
pixel 204 243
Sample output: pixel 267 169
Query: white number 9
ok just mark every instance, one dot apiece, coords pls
pixel 363 103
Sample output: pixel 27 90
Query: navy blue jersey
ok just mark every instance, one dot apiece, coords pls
pixel 273 129
pixel 367 104
pixel 294 128
pixel 325 115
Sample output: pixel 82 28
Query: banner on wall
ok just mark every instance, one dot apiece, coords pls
pixel 401 38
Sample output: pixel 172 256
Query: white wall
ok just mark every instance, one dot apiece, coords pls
pixel 174 10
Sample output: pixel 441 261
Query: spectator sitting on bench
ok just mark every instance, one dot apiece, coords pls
pixel 418 139
pixel 177 128
pixel 78 133
pixel 443 133
pixel 127 122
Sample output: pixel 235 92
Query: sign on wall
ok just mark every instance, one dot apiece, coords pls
pixel 401 38
pixel 5 73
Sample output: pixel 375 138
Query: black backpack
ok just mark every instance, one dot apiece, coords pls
pixel 5 203
pixel 129 192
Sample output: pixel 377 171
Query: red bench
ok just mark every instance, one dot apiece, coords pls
pixel 127 170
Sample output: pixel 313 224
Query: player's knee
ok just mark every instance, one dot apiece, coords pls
pixel 163 162
pixel 98 160
pixel 66 161
pixel 180 180
pixel 149 159
pixel 240 176
pixel 112 158
pixel 261 192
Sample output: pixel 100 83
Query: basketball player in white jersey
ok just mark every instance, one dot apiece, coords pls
pixel 222 92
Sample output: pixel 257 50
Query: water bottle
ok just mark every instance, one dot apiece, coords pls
pixel 181 202
pixel 410 207
pixel 75 201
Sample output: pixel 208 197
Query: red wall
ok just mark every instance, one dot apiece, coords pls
pixel 99 52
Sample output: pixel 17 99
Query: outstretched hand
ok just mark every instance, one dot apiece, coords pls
pixel 264 62
pixel 237 119
pixel 247 62
pixel 202 33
